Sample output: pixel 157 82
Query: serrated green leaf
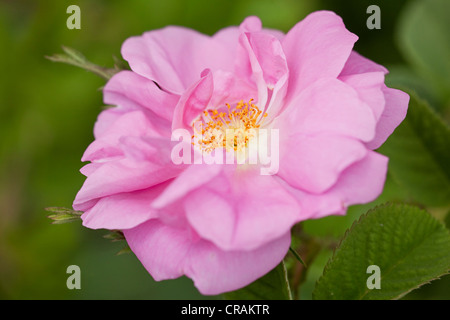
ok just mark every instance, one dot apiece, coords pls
pixel 273 286
pixel 408 245
pixel 419 155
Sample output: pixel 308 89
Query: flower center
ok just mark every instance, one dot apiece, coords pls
pixel 232 130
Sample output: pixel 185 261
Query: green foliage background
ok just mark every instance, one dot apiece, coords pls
pixel 47 112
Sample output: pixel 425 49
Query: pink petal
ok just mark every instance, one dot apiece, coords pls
pixel 268 67
pixel 228 88
pixel 124 210
pixel 363 182
pixel 131 124
pixel 241 211
pixel 317 47
pixel 360 183
pixel 130 90
pixel 89 168
pixel 106 119
pixel 357 64
pixel 369 87
pixel 251 24
pixel 169 253
pixel 174 57
pixel 393 114
pixel 125 175
pixel 314 163
pixel 193 102
pixel 195 176
pixel 329 106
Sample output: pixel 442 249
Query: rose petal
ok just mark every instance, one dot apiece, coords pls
pixel 130 124
pixel 369 87
pixel 174 57
pixel 393 114
pixel 314 163
pixel 176 252
pixel 241 211
pixel 268 68
pixel 360 183
pixel 317 47
pixel 193 102
pixel 131 90
pixel 125 175
pixel 357 64
pixel 124 210
pixel 328 106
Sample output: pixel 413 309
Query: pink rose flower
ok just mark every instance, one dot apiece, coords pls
pixel 224 226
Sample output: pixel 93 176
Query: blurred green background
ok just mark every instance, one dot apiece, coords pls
pixel 47 113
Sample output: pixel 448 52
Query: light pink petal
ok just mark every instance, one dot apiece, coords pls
pixel 268 68
pixel 265 51
pixel 131 124
pixel 369 87
pixel 357 64
pixel 130 90
pixel 125 175
pixel 228 37
pixel 363 182
pixel 193 102
pixel 329 106
pixel 169 253
pixel 124 210
pixel 360 183
pixel 195 176
pixel 241 212
pixel 317 47
pixel 106 118
pixel 174 57
pixel 89 168
pixel 314 163
pixel 251 24
pixel 228 88
pixel 393 114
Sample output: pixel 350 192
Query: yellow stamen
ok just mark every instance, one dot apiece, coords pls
pixel 240 122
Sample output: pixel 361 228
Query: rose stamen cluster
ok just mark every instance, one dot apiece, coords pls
pixel 232 130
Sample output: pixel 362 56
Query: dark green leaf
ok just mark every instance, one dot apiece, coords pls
pixel 408 245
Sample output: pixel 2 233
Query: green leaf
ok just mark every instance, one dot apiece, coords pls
pixel 419 155
pixel 409 246
pixel 273 286
pixel 424 38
